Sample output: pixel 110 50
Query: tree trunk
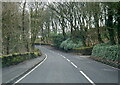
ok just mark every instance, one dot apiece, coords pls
pixel 62 22
pixel 111 35
pixel 7 45
pixel 97 27
pixel 99 36
pixel 110 27
pixel 118 19
pixel 23 27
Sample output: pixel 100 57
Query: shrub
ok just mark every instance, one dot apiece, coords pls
pixel 107 53
pixel 57 39
pixel 16 58
pixel 69 44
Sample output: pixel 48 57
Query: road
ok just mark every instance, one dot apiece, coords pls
pixel 61 67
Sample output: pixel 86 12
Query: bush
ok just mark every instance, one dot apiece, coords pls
pixel 107 53
pixel 57 40
pixel 69 44
pixel 16 58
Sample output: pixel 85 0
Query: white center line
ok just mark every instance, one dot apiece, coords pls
pixel 68 60
pixel 87 78
pixel 80 71
pixel 73 64
pixel 30 71
pixel 63 56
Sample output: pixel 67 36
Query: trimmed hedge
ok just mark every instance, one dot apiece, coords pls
pixel 16 58
pixel 107 54
pixel 83 50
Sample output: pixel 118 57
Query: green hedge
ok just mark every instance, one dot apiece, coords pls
pixel 107 54
pixel 16 58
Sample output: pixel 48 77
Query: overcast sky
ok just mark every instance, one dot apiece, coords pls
pixel 61 0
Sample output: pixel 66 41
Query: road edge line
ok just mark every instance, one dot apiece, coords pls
pixel 22 73
pixel 87 78
pixel 31 70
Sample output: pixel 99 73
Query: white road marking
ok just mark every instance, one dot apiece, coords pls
pixel 30 71
pixel 63 56
pixel 68 60
pixel 80 71
pixel 87 78
pixel 73 64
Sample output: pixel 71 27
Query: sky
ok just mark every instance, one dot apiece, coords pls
pixel 61 0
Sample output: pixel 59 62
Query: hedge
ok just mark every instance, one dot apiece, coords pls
pixel 107 54
pixel 16 58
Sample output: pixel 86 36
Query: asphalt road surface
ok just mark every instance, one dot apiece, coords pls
pixel 61 67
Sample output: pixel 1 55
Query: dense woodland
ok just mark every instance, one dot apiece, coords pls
pixel 59 23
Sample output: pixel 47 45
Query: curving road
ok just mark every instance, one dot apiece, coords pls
pixel 60 67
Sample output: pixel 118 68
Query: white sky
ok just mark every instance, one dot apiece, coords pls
pixel 61 0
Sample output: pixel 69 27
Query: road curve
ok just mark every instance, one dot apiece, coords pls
pixel 61 67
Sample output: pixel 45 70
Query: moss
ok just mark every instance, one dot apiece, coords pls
pixel 82 48
pixel 16 58
pixel 0 56
pixel 6 55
